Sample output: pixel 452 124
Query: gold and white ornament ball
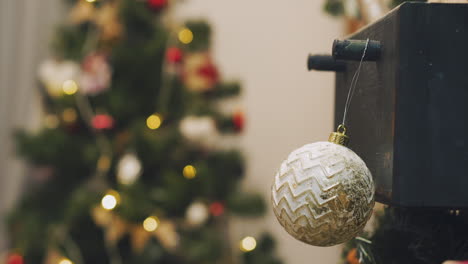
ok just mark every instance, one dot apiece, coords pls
pixel 323 193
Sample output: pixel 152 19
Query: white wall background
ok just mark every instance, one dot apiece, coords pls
pixel 265 44
pixel 25 30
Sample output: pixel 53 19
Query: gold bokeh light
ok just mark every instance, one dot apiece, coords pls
pixel 248 244
pixel 154 121
pixel 69 87
pixel 189 172
pixel 110 200
pixel 65 261
pixel 185 36
pixel 151 223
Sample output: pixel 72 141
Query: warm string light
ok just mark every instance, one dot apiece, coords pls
pixel 69 87
pixel 65 261
pixel 248 244
pixel 189 172
pixel 110 200
pixel 185 36
pixel 90 1
pixel 151 223
pixel 154 121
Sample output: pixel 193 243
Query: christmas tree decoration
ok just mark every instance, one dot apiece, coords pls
pixel 116 229
pixel 174 55
pixel 110 200
pixel 157 5
pixel 69 87
pixel 82 12
pixel 54 73
pixel 154 121
pixel 65 261
pixel 102 122
pixel 199 129
pixel 323 193
pixel 139 238
pixel 167 235
pixel 15 258
pixel 189 172
pixel 216 208
pixel 107 19
pixel 196 214
pixel 185 36
pixel 129 169
pixel 200 74
pixel 101 216
pixel 69 115
pixel 151 223
pixel 248 244
pixel 96 74
pixel 238 120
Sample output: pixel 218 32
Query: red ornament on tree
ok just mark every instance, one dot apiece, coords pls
pixel 15 259
pixel 102 122
pixel 209 72
pixel 174 55
pixel 216 209
pixel 238 120
pixel 157 5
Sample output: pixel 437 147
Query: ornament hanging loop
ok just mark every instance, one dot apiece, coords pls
pixel 339 137
pixel 341 129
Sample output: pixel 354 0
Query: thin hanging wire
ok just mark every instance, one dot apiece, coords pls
pixel 352 87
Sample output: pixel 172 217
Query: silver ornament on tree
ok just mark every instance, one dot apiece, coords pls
pixel 323 193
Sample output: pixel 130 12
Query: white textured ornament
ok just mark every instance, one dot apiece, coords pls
pixel 323 194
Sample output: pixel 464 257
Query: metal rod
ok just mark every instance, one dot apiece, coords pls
pixel 325 63
pixel 352 49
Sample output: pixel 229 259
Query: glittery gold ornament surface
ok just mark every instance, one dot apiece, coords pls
pixel 323 194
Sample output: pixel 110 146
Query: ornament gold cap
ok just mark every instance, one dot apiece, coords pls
pixel 339 137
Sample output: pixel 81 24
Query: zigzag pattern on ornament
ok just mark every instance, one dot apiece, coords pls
pixel 311 193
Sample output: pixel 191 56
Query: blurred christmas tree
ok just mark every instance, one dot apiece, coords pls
pixel 126 168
